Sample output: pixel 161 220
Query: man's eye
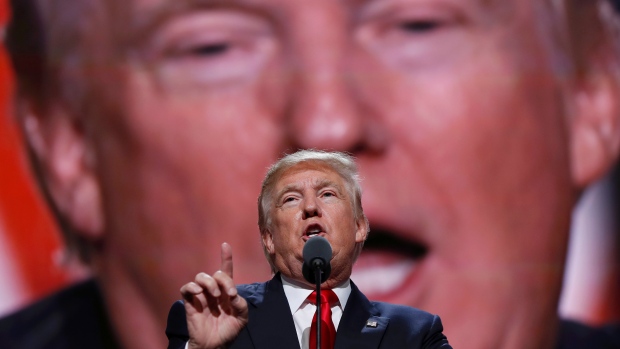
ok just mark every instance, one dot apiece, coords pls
pixel 419 26
pixel 288 199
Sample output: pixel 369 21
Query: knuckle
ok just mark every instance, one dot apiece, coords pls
pixel 204 280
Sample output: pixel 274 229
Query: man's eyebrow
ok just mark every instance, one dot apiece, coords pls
pixel 287 189
pixel 324 183
pixel 320 184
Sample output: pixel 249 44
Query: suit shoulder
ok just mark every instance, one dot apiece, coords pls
pixel 247 290
pixel 74 317
pixel 419 326
pixel 575 335
pixel 397 311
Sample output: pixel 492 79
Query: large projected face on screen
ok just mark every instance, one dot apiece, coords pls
pixel 473 127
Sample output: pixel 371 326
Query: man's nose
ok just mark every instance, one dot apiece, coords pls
pixel 311 208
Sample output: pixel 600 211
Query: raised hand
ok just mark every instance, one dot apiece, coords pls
pixel 215 312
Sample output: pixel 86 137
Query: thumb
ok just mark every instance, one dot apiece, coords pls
pixel 239 305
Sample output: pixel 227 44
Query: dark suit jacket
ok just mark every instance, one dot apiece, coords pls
pixel 271 323
pixel 74 318
pixel 574 335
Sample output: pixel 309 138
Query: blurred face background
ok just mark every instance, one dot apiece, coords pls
pixel 462 115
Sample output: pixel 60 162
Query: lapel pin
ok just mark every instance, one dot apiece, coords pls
pixel 371 324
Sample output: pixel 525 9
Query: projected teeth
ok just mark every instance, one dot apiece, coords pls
pixel 382 279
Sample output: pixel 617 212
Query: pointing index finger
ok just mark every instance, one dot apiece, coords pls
pixel 227 261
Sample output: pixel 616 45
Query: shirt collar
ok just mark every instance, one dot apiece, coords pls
pixel 297 293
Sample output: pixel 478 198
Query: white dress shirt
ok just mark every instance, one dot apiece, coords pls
pixel 303 311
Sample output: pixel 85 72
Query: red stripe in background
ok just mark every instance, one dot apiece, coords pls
pixel 28 226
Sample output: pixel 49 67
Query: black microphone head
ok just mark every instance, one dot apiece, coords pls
pixel 317 253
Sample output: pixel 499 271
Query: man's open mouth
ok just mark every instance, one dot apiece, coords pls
pixel 387 263
pixel 313 230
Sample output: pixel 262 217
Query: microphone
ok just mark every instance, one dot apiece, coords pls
pixel 317 254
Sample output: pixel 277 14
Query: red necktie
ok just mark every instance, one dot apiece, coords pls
pixel 328 330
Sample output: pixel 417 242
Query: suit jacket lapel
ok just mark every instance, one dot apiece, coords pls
pixel 271 323
pixel 360 325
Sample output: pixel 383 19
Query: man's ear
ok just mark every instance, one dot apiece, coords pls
pixel 362 229
pixel 268 242
pixel 66 165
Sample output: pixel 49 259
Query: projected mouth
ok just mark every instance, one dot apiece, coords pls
pixel 387 263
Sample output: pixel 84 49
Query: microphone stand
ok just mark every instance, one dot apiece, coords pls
pixel 317 277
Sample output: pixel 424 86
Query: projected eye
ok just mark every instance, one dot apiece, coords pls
pixel 210 49
pixel 419 26
pixel 213 45
pixel 211 53
pixel 410 35
pixel 198 50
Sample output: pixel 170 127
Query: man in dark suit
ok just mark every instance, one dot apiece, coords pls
pixel 304 195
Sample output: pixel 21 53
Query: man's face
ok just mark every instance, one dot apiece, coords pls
pixel 451 108
pixel 311 199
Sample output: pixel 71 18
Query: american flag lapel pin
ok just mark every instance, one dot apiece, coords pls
pixel 370 323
